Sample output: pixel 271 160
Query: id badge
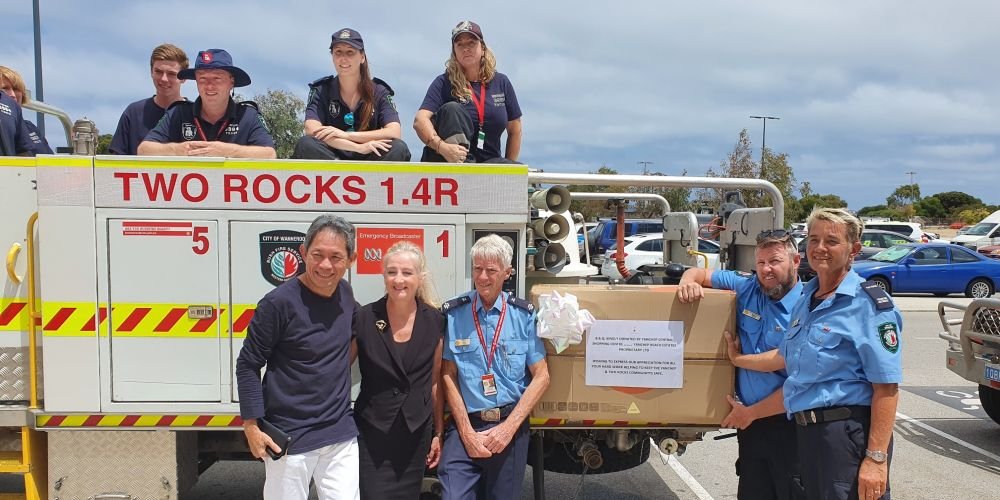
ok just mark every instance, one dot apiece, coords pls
pixel 480 138
pixel 489 385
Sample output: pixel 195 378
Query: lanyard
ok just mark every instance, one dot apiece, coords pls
pixel 481 103
pixel 218 133
pixel 496 331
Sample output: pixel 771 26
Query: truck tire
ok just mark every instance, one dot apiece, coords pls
pixel 558 458
pixel 990 398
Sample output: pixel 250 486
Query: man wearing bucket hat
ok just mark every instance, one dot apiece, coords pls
pixel 214 124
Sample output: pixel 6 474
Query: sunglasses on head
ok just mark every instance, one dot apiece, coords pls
pixel 349 120
pixel 773 234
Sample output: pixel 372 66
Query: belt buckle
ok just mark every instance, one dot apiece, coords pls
pixel 491 415
pixel 812 417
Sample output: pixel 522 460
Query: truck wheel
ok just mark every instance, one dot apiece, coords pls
pixel 990 398
pixel 559 460
pixel 979 288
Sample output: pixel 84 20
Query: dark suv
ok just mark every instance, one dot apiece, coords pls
pixel 873 241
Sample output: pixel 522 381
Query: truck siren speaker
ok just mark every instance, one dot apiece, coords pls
pixel 554 199
pixel 550 258
pixel 552 228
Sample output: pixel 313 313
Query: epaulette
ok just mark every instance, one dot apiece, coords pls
pixel 320 81
pixel 249 104
pixel 461 300
pixel 379 81
pixel 182 102
pixel 878 295
pixel 521 303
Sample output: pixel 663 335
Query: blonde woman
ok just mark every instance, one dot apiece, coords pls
pixel 399 412
pixel 469 107
pixel 12 84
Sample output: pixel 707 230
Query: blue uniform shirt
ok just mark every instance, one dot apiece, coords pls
pixel 501 107
pixel 519 347
pixel 243 125
pixel 14 138
pixel 326 107
pixel 39 146
pixel 762 324
pixel 835 353
pixel 135 123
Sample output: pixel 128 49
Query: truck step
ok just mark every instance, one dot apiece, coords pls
pixel 11 462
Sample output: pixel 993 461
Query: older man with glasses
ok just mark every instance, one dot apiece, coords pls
pixel 767 462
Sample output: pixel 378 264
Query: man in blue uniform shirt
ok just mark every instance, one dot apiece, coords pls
pixel 14 139
pixel 767 463
pixel 494 372
pixel 214 124
pixel 165 65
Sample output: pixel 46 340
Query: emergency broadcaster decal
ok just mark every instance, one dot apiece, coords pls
pixel 373 242
pixel 280 259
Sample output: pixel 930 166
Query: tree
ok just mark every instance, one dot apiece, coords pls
pixel 951 200
pixel 103 144
pixel 677 198
pixel 930 206
pixel 592 209
pixel 805 189
pixel 973 216
pixel 284 114
pixel 811 201
pixel 903 195
pixel 775 169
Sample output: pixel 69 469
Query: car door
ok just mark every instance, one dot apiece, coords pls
pixel 926 273
pixel 964 267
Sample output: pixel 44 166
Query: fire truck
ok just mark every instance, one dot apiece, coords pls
pixel 130 283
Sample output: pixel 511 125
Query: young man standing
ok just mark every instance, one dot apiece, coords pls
pixel 165 64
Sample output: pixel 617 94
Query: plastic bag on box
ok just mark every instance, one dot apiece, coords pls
pixel 561 320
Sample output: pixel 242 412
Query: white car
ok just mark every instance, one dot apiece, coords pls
pixel 642 249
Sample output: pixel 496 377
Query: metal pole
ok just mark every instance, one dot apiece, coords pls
pixel 39 96
pixel 763 140
pixel 912 195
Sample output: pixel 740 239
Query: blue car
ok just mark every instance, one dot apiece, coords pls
pixel 937 268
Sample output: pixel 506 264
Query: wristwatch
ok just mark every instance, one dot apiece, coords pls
pixel 877 456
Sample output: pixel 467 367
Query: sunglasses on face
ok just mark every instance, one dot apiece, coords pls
pixel 349 120
pixel 773 234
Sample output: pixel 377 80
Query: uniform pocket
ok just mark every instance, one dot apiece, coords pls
pixel 512 356
pixel 464 349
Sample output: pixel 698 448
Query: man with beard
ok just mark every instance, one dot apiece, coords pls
pixel 767 463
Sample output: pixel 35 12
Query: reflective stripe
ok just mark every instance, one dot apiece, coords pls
pixel 82 319
pixel 50 421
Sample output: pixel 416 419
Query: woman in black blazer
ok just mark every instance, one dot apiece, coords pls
pixel 399 412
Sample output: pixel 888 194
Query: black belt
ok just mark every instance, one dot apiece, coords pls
pixel 820 415
pixel 493 414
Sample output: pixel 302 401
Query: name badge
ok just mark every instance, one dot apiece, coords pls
pixel 480 139
pixel 462 342
pixel 489 385
pixel 747 312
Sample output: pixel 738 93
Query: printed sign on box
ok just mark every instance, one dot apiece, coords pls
pixel 373 242
pixel 636 354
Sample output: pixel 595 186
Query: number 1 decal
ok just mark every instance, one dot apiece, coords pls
pixel 443 240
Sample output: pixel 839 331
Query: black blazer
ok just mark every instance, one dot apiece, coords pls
pixel 389 385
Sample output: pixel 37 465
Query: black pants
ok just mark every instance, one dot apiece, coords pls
pixel 768 463
pixel 311 148
pixel 391 465
pixel 454 126
pixel 831 454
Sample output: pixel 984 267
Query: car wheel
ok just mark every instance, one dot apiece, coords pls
pixel 990 398
pixel 883 284
pixel 979 288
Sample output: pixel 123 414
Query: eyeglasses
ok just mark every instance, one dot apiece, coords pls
pixel 349 120
pixel 773 234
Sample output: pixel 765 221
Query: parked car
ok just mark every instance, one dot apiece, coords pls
pixel 937 268
pixel 645 249
pixel 991 251
pixel 873 241
pixel 985 233
pixel 962 230
pixel 911 229
pixel 606 232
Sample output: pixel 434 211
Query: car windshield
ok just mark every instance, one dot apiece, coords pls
pixel 891 254
pixel 981 229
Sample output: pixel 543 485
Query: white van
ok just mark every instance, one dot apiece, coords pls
pixel 986 233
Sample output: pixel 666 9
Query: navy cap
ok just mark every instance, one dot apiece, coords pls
pixel 348 36
pixel 216 59
pixel 466 27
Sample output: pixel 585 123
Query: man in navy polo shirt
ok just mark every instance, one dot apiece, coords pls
pixel 302 332
pixel 14 139
pixel 165 64
pixel 214 124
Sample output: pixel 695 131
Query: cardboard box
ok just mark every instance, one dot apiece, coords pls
pixel 702 401
pixel 704 321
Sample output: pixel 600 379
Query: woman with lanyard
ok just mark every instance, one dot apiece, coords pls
pixel 842 354
pixel 469 107
pixel 350 115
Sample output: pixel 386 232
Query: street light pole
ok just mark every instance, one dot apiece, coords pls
pixel 912 193
pixel 36 14
pixel 644 164
pixel 763 140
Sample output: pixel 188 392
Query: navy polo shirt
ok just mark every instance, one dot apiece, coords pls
pixel 39 146
pixel 326 107
pixel 136 121
pixel 14 138
pixel 501 107
pixel 304 340
pixel 241 124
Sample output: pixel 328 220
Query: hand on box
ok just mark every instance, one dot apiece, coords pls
pixel 733 348
pixel 690 292
pixel 740 417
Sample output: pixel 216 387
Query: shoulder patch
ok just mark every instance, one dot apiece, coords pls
pixel 455 303
pixel 882 300
pixel 520 303
pixel 888 333
pixel 320 81
pixel 744 274
pixel 379 81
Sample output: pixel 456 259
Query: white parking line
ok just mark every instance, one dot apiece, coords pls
pixel 949 437
pixel 685 476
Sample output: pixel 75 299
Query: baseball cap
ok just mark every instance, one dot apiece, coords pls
pixel 348 36
pixel 216 59
pixel 466 27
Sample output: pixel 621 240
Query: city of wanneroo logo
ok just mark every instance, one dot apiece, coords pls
pixel 280 260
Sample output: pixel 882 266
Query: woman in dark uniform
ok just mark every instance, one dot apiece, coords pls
pixel 399 412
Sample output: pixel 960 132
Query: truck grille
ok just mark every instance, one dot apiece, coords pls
pixel 987 321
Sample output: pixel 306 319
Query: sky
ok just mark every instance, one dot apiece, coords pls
pixel 866 92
